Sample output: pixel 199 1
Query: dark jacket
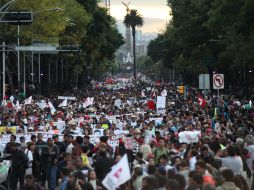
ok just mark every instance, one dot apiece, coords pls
pixel 19 160
pixel 48 156
pixel 103 166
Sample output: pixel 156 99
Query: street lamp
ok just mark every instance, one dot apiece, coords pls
pixel 55 9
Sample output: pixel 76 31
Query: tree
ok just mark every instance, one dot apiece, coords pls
pixel 133 19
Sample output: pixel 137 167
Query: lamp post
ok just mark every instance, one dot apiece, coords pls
pixel 56 9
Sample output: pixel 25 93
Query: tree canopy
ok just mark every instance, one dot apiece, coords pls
pixel 74 22
pixel 206 36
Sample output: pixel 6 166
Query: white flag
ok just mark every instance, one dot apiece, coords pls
pixel 143 94
pixel 17 106
pixel 28 100
pixel 52 108
pixel 119 174
pixel 250 103
pixel 164 93
pixel 63 104
pixel 11 98
pixel 88 102
pixel 42 104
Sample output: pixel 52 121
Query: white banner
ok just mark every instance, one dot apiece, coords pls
pixel 66 98
pixel 189 136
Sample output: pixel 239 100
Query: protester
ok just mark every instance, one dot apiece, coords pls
pixel 181 145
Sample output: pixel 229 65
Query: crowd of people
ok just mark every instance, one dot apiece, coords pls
pixel 74 146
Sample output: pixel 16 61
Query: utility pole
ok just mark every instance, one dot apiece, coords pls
pixel 3 70
pixel 18 60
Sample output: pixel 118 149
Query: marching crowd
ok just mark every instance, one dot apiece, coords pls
pixel 71 147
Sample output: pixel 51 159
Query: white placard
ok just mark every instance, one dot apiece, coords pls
pixel 161 102
pixel 66 98
pixel 189 136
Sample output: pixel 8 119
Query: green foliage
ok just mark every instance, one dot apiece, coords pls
pixel 79 22
pixel 206 36
pixel 133 19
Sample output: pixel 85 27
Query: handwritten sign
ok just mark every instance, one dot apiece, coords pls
pixel 189 136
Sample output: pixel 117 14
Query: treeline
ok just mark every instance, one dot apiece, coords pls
pixel 64 22
pixel 206 36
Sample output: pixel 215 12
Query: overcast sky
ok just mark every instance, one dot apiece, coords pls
pixel 148 8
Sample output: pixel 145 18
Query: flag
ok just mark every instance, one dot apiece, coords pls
pixel 201 101
pixel 119 174
pixel 248 106
pixel 153 95
pixel 42 104
pixel 143 94
pixel 17 106
pixel 4 102
pixel 28 100
pixel 11 98
pixel 151 105
pixel 63 104
pixel 52 108
pixel 164 93
pixel 88 102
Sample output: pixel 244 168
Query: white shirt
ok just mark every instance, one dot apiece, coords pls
pixel 69 148
pixel 193 161
pixel 234 163
pixel 30 157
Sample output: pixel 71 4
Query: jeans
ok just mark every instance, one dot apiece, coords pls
pixel 51 177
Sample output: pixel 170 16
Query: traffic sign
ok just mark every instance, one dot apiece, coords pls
pixel 218 81
pixel 204 81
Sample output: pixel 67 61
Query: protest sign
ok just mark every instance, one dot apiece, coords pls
pixel 98 132
pixel 161 102
pixel 4 129
pixel 66 98
pixel 117 137
pixel 189 136
pixel 129 143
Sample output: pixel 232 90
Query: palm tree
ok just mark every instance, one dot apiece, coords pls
pixel 133 19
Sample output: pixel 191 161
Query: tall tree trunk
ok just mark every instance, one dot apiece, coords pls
pixel 134 51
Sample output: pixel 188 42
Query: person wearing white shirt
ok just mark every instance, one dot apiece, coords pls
pixel 193 159
pixel 29 152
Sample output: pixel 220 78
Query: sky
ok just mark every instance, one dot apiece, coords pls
pixel 157 10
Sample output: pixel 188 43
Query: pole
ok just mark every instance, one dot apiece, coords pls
pixel 18 60
pixel 49 73
pixel 32 68
pixel 39 74
pixel 3 70
pixel 62 72
pixel 57 71
pixel 24 68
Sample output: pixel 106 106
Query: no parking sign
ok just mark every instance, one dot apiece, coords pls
pixel 218 81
